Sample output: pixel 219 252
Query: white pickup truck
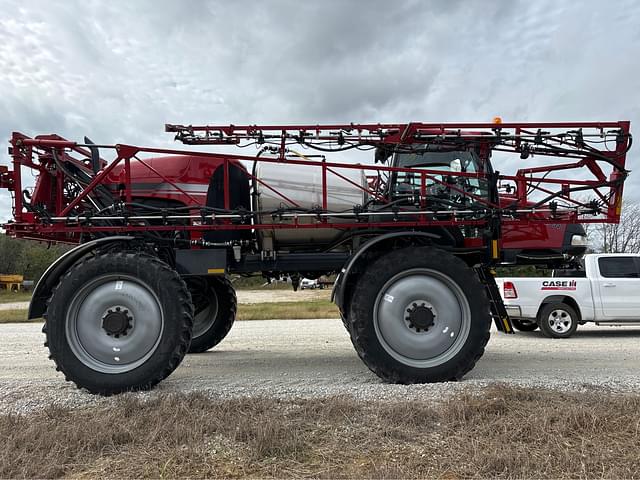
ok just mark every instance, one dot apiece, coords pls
pixel 606 290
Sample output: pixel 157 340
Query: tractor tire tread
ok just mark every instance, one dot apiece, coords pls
pixel 180 294
pixel 360 334
pixel 219 330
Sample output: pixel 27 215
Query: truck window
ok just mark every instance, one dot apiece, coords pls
pixel 618 267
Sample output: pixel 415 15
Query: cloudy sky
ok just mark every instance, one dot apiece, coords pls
pixel 117 71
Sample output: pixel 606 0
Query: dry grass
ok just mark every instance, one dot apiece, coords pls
pixel 253 311
pixel 8 297
pixel 501 432
pixel 14 316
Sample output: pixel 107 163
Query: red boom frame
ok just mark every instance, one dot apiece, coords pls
pixel 567 140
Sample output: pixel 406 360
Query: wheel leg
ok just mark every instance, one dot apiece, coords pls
pixel 119 322
pixel 419 315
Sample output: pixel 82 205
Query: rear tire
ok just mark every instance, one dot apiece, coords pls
pixel 558 320
pixel 419 315
pixel 524 325
pixel 118 322
pixel 215 306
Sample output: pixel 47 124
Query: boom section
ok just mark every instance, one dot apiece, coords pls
pixel 567 172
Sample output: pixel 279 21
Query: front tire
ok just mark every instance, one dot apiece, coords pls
pixel 558 320
pixel 419 315
pixel 119 322
pixel 215 305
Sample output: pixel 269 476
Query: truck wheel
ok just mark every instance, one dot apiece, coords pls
pixel 419 315
pixel 524 325
pixel 558 320
pixel 215 306
pixel 118 322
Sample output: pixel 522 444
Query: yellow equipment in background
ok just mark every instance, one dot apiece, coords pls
pixel 11 282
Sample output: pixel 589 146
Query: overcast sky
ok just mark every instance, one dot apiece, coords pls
pixel 117 71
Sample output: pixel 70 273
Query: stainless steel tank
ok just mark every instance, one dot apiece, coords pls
pixel 303 185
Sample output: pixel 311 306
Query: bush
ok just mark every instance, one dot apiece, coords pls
pixel 26 257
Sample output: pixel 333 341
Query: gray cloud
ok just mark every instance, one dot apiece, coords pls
pixel 117 71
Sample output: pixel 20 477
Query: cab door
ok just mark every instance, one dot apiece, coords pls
pixel 619 287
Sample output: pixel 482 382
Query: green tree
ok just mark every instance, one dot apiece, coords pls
pixel 27 258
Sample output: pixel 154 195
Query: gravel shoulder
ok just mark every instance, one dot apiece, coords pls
pixel 314 358
pixel 14 306
pixel 273 296
pixel 247 297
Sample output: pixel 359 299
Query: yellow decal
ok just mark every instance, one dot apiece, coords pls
pixel 507 328
pixel 494 249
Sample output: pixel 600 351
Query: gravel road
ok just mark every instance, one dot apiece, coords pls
pixel 310 358
pixel 14 306
pixel 244 296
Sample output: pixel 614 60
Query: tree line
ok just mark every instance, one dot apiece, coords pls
pixel 26 257
pixel 623 237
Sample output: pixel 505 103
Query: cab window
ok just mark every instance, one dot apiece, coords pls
pixel 446 162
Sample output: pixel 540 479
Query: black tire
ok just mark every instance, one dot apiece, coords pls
pixel 449 282
pixel 524 325
pixel 148 319
pixel 345 323
pixel 558 320
pixel 215 308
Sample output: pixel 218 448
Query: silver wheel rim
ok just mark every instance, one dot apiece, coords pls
pixel 206 317
pixel 560 321
pixel 88 337
pixel 426 289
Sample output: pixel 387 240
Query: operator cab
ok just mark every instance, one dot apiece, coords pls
pixel 450 184
pixel 445 187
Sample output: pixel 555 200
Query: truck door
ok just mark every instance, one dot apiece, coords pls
pixel 619 287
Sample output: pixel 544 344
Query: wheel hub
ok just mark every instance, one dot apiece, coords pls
pixel 560 321
pixel 420 316
pixel 117 321
pixel 425 299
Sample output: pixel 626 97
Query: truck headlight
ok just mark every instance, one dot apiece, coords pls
pixel 579 240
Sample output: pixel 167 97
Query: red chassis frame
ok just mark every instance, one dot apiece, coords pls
pixel 68 215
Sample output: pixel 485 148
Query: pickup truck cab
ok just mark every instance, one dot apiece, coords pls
pixel 604 290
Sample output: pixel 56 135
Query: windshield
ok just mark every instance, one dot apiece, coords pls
pixel 439 185
pixel 434 160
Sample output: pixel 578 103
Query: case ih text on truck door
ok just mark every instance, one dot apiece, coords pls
pixel 412 236
pixel 606 290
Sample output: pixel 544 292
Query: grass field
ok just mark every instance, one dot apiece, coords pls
pixel 498 432
pixel 254 311
pixel 13 316
pixel 286 310
pixel 8 297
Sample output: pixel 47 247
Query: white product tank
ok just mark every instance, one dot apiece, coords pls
pixel 302 184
